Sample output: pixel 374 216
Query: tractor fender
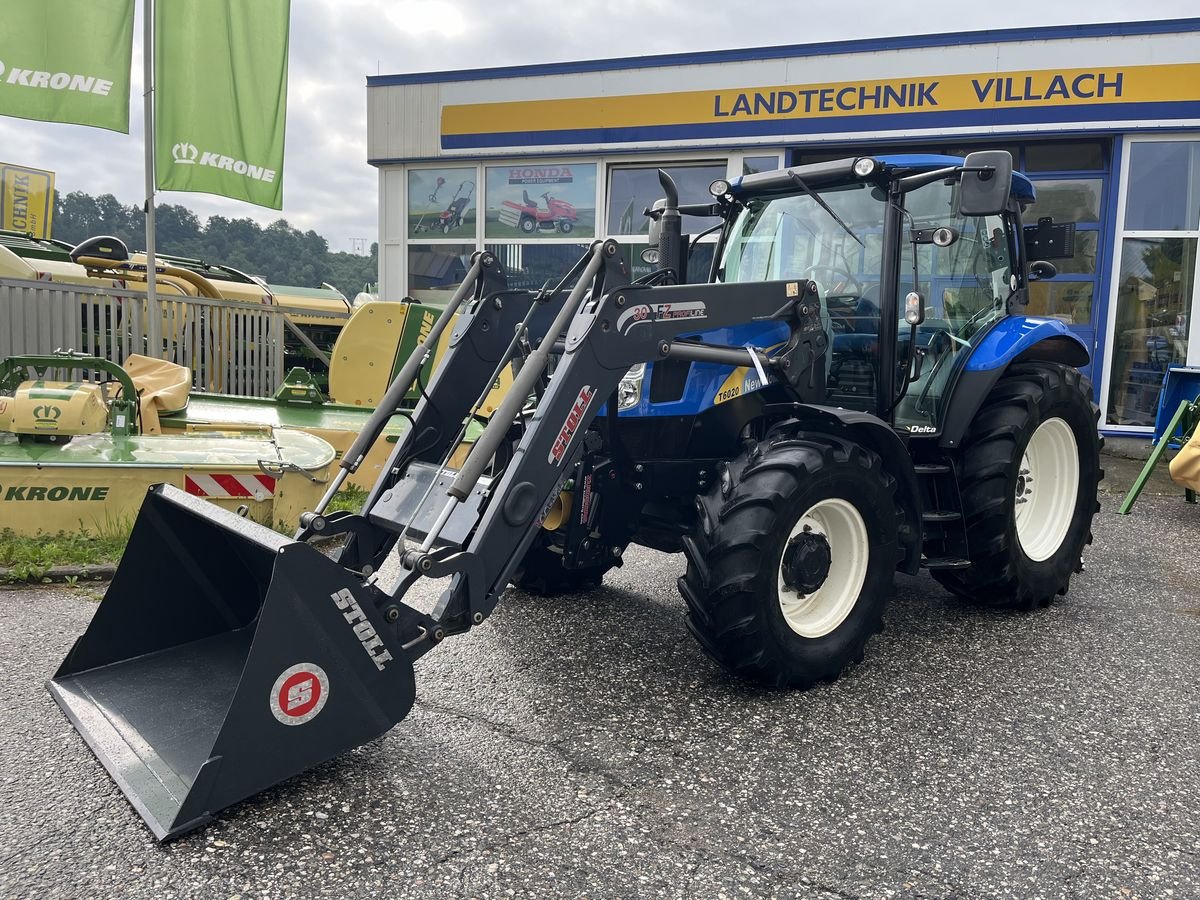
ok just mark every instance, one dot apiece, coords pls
pixel 1016 338
pixel 876 435
pixel 1012 339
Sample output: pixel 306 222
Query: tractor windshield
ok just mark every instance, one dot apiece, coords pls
pixel 965 285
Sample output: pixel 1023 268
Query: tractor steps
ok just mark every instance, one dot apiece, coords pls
pixel 944 542
pixel 945 562
pixel 923 469
pixel 940 515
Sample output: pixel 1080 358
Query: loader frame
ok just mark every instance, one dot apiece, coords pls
pixel 477 529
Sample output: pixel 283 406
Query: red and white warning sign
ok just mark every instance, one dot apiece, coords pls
pixel 250 485
pixel 299 693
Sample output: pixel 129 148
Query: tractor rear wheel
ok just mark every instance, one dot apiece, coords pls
pixel 791 562
pixel 1028 474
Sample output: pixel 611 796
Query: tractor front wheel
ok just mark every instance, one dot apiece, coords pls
pixel 1029 471
pixel 791 562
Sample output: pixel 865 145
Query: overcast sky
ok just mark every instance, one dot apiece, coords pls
pixel 328 185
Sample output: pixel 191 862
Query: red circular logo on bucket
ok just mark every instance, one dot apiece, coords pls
pixel 299 693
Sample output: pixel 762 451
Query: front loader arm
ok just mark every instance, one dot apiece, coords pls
pixel 624 325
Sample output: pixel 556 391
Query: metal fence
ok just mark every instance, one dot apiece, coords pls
pixel 231 347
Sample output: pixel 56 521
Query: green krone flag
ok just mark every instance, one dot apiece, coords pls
pixel 221 97
pixel 67 61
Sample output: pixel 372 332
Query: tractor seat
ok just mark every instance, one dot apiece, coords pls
pixel 528 202
pixel 163 388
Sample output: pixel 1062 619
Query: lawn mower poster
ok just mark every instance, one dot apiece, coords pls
pixel 541 200
pixel 441 202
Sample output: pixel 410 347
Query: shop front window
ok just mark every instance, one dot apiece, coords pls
pixel 1164 186
pixel 1154 304
pixel 1065 156
pixel 1156 277
pixel 436 270
pixel 632 189
pixel 441 203
pixel 1066 200
pixel 530 266
pixel 752 165
pixel 700 260
pixel 536 201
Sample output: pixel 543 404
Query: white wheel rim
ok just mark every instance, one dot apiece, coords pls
pixel 1047 486
pixel 816 614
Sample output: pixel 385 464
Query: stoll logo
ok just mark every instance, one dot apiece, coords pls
pixel 186 154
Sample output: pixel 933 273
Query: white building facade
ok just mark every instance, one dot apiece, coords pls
pixel 534 162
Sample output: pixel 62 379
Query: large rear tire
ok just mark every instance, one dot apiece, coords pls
pixel 791 562
pixel 1028 473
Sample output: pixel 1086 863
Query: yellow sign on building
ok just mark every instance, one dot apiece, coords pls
pixel 26 199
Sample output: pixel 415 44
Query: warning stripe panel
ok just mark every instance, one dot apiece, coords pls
pixel 250 485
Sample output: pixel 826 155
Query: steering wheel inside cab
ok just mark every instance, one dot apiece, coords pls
pixel 844 299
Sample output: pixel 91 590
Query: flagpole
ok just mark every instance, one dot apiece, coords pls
pixel 148 78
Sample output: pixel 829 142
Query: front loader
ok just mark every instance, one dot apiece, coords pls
pixel 853 391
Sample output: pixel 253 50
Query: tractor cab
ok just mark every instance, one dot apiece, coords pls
pixel 912 266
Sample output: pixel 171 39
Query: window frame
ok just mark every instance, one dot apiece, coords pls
pixel 1119 237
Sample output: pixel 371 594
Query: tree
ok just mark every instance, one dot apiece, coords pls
pixel 279 253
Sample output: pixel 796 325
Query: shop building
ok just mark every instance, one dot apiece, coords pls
pixel 533 162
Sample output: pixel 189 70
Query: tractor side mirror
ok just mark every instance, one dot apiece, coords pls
pixel 986 183
pixel 1040 270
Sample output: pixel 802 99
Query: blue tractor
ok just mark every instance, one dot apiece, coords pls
pixel 853 390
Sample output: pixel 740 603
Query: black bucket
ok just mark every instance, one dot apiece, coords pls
pixel 224 659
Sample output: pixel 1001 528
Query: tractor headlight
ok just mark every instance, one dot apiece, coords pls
pixel 864 167
pixel 629 391
pixel 719 188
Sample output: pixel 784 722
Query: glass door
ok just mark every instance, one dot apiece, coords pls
pixel 1155 281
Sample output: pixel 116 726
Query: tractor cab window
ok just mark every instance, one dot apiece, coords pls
pixel 794 237
pixel 965 287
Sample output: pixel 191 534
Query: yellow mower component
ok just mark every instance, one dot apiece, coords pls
pixel 54 410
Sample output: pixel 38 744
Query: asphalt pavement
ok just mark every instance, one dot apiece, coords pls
pixel 585 747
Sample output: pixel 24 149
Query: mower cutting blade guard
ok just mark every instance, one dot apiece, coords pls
pixel 223 660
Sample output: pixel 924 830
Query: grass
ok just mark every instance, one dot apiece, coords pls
pixel 30 558
pixel 349 498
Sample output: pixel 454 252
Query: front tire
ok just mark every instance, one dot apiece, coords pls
pixel 791 563
pixel 1029 472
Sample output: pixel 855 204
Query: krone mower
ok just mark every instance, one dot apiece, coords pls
pixel 854 390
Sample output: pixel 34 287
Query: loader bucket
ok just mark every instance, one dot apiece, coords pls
pixel 224 659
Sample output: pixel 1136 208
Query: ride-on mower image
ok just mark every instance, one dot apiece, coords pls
pixel 559 215
pixel 854 390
